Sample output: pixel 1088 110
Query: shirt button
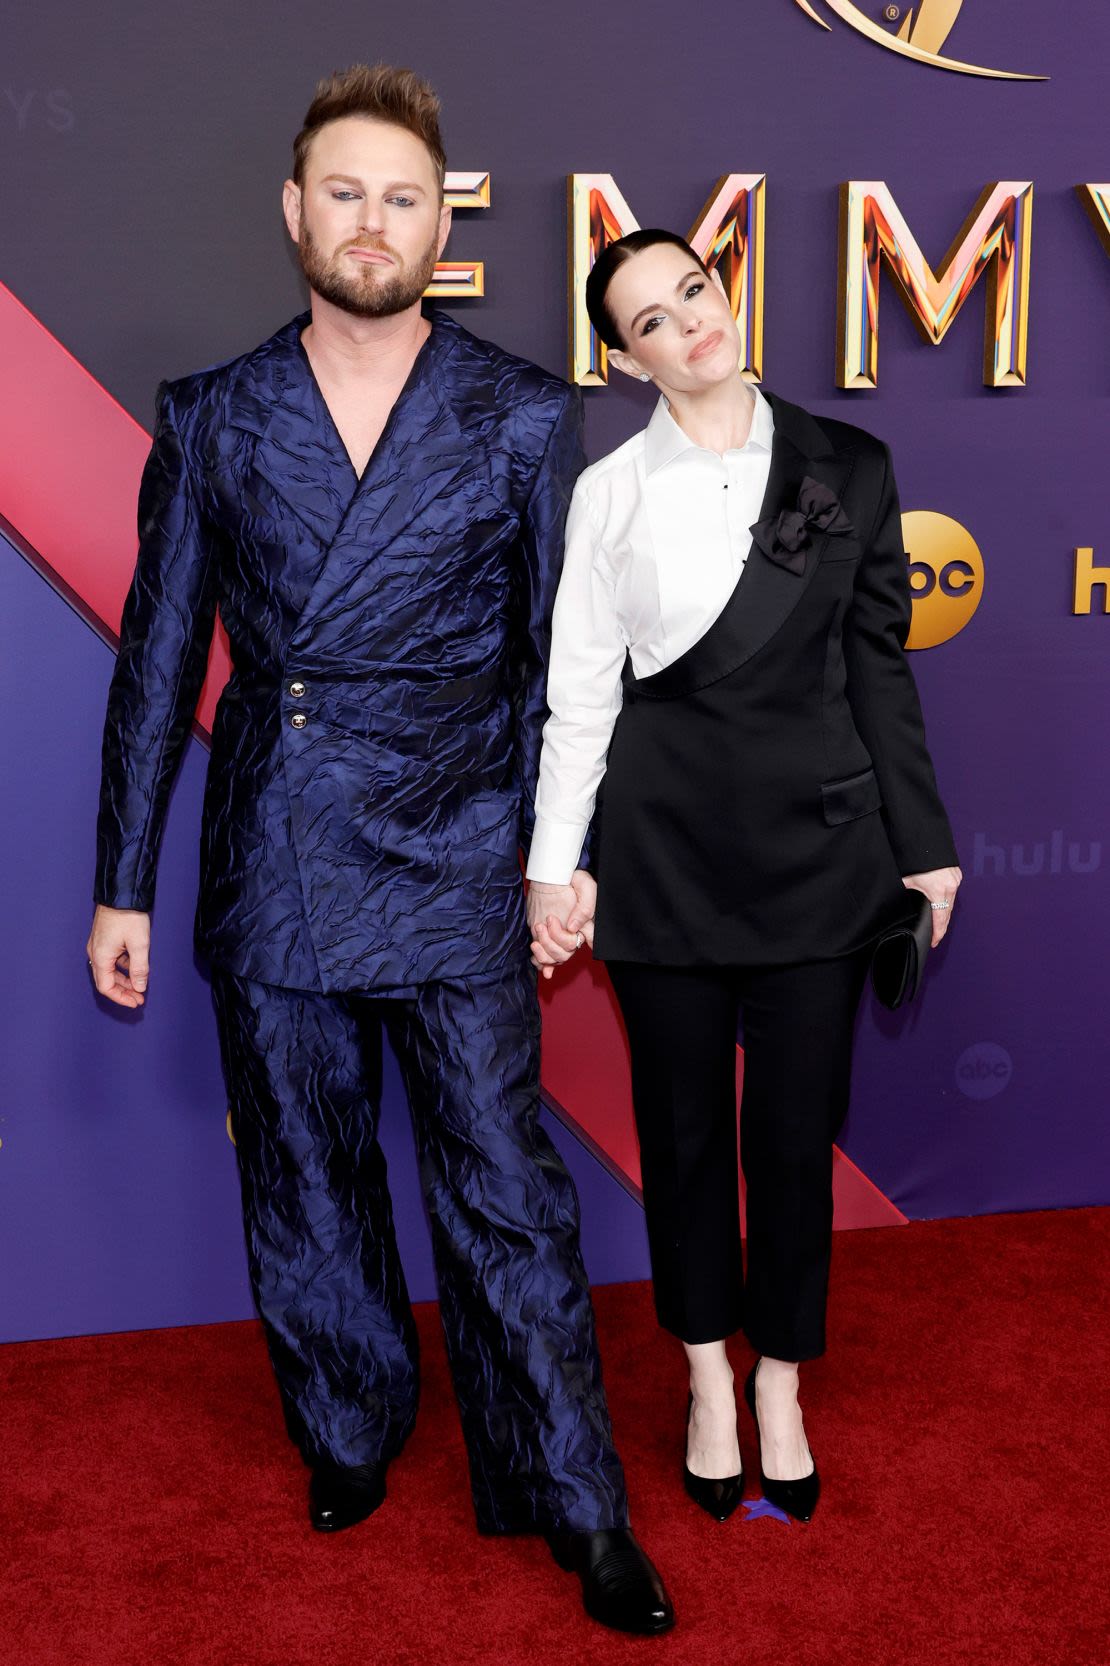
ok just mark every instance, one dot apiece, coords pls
pixel 298 720
pixel 296 690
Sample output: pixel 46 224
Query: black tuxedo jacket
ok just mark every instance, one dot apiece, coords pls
pixel 765 791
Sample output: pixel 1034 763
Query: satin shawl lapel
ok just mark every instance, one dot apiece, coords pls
pixel 766 594
pixel 421 452
pixel 297 449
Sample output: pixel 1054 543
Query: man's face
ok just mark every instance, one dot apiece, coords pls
pixel 367 220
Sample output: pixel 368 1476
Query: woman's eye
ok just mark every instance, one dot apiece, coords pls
pixel 695 289
pixel 650 325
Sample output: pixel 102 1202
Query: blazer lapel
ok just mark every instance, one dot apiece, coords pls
pixel 297 451
pixel 420 454
pixel 766 594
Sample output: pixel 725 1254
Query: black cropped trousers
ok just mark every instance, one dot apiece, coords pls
pixel 797 1034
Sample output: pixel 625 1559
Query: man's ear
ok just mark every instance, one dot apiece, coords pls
pixel 624 361
pixel 444 227
pixel 291 208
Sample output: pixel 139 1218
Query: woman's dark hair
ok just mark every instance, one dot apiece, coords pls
pixel 613 255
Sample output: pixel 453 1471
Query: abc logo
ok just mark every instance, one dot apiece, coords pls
pixel 946 576
pixel 983 1070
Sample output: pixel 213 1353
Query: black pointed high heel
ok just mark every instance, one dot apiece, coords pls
pixel 797 1498
pixel 718 1497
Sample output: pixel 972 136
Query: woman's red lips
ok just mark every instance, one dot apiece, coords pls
pixel 706 346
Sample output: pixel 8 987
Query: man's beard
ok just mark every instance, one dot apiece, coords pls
pixel 370 290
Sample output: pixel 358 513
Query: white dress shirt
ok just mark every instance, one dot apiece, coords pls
pixel 656 540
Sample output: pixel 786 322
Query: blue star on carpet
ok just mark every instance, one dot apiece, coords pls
pixel 757 1507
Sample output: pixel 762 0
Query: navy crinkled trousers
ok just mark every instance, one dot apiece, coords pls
pixel 304 1077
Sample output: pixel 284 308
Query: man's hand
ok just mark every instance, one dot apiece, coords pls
pixel 561 919
pixel 118 951
pixel 940 886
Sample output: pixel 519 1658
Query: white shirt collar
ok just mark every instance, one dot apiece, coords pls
pixel 664 440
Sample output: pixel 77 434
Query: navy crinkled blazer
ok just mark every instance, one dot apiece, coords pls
pixel 374 753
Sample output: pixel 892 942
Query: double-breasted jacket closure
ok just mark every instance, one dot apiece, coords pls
pixel 374 752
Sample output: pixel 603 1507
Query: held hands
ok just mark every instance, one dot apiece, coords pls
pixel 940 886
pixel 561 919
pixel 118 951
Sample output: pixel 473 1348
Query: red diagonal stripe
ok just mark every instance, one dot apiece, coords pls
pixel 587 1083
pixel 70 462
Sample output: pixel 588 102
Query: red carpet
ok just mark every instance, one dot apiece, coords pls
pixel 154 1511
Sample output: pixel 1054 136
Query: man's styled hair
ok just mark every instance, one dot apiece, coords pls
pixel 380 91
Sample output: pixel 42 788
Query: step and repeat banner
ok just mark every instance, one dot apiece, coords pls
pixel 910 208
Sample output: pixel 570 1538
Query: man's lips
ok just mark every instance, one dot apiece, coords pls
pixel 707 346
pixel 373 256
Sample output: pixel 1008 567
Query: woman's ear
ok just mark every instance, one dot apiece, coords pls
pixel 715 277
pixel 624 361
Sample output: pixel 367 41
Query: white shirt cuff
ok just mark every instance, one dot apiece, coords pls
pixel 554 852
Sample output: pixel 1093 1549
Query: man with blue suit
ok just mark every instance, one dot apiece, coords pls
pixel 374 499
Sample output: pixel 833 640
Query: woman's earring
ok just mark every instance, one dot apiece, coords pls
pixel 644 377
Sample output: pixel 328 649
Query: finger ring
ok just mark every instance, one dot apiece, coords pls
pixel 578 939
pixel 941 905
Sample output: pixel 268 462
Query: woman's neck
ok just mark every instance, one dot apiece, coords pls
pixel 718 418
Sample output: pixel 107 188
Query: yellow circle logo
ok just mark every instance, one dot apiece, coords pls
pixel 946 576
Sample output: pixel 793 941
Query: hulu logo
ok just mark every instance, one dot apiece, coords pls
pixel 1054 855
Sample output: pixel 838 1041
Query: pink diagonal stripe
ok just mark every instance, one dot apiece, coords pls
pixel 70 462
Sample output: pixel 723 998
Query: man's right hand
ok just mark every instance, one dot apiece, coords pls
pixel 561 918
pixel 118 951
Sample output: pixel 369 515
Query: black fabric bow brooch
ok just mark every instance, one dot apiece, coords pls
pixel 785 537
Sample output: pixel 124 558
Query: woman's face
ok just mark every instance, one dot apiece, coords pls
pixel 675 322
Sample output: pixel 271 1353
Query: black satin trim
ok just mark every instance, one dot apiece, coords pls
pixel 766 594
pixel 854 796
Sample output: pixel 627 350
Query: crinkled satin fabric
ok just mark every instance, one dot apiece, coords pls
pixel 304 1075
pixel 376 845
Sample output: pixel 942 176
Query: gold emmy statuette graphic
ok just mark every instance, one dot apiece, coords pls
pixel 946 576
pixel 923 32
pixel 230 1131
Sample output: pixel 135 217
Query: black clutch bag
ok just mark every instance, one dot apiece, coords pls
pixel 898 963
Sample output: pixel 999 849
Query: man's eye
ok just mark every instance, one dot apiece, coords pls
pixel 344 196
pixel 403 202
pixel 695 289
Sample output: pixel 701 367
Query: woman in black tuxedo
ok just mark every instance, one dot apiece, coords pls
pixel 727 668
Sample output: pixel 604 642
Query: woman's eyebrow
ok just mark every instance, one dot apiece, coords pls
pixel 654 307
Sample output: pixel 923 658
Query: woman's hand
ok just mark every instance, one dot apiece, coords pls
pixel 940 886
pixel 561 919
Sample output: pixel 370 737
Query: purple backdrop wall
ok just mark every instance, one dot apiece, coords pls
pixel 143 149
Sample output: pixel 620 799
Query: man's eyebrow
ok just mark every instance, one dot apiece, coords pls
pixel 394 185
pixel 654 307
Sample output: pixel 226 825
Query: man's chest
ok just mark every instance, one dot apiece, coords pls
pixel 359 416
